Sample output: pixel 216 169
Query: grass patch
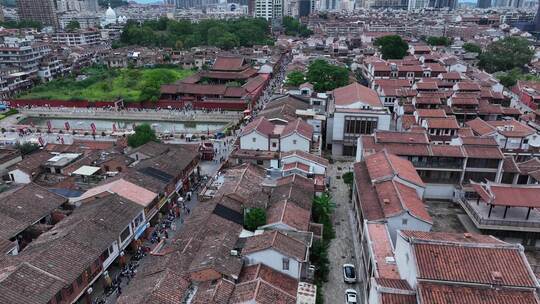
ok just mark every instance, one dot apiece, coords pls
pixel 8 113
pixel 104 84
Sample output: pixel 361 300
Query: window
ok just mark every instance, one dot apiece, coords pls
pixel 294 141
pixel 404 222
pixel 358 125
pixel 58 297
pixel 254 139
pixel 138 220
pixel 125 234
pixel 260 162
pixel 274 144
pixel 285 263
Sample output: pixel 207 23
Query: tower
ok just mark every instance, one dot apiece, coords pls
pixel 43 11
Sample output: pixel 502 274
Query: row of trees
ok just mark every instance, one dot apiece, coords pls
pixel 439 41
pixel 181 34
pixel 323 76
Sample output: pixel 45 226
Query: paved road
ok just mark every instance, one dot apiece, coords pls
pixel 342 249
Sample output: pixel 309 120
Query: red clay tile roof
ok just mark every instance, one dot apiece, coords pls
pixel 512 128
pixel 433 113
pixel 393 283
pixel 356 92
pixel 508 194
pixel 412 203
pixel 401 137
pixel 467 86
pixel 431 85
pixel 392 298
pixel 290 214
pixel 368 199
pixel 305 155
pixel 446 293
pixel 228 63
pixel 260 291
pixel 298 126
pixel 427 100
pixel 383 165
pixel 510 166
pixel 463 101
pixel 381 244
pixel 479 140
pixel 473 263
pixel 447 151
pixel 488 152
pixel 474 238
pixel 480 127
pixel 271 276
pixel 261 125
pixel 442 123
pixel 278 241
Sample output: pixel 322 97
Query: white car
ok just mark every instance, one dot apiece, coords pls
pixel 349 273
pixel 351 296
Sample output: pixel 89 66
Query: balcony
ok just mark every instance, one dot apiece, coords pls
pixel 513 219
pixel 438 165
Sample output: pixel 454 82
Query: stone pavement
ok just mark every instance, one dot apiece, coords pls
pixel 342 249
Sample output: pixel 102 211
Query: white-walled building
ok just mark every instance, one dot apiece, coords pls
pixel 278 251
pixel 388 189
pixel 353 110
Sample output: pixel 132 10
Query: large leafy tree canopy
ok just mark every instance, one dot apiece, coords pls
pixel 293 27
pixel 225 34
pixel 255 218
pixel 472 47
pixel 143 134
pixel 326 77
pixel 439 41
pixel 296 78
pixel 392 47
pixel 506 54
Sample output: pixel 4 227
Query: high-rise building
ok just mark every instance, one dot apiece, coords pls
pixel 451 4
pixel 269 9
pixel 483 4
pixel 537 19
pixel 43 11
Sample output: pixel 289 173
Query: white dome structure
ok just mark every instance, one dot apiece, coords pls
pixel 110 17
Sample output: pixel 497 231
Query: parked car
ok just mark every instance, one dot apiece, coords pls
pixel 349 273
pixel 351 296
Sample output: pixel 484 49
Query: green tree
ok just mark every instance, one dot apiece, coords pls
pixel 326 77
pixel 348 178
pixel 293 27
pixel 510 78
pixel 472 47
pixel 27 148
pixel 319 256
pixel 322 212
pixel 439 41
pixel 392 47
pixel 506 54
pixel 143 134
pixel 255 218
pixel 73 25
pixel 296 78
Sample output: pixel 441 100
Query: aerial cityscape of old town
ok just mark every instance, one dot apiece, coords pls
pixel 270 151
